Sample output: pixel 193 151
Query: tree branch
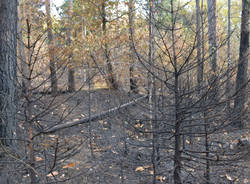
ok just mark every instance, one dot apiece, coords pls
pixel 93 118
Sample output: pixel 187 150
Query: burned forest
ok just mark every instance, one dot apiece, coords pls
pixel 124 92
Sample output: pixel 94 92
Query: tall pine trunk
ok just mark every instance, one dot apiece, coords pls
pixel 71 70
pixel 198 45
pixel 8 80
pixel 133 84
pixel 152 93
pixel 52 66
pixel 213 80
pixel 241 79
pixel 228 84
pixel 110 79
pixel 177 123
pixel 23 64
pixel 8 63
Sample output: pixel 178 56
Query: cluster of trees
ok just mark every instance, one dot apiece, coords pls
pixel 184 92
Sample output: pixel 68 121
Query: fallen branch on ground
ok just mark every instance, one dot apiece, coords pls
pixel 94 117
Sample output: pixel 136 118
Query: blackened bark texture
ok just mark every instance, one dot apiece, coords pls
pixel 177 135
pixel 110 73
pixel 155 156
pixel 177 122
pixel 211 6
pixel 132 79
pixel 241 79
pixel 202 32
pixel 207 170
pixel 8 63
pixel 21 52
pixel 52 65
pixel 198 34
pixel 228 84
pixel 71 80
pixel 71 72
pixel 28 106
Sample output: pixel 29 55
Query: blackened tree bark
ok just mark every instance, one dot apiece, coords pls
pixel 71 74
pixel 21 52
pixel 211 6
pixel 110 74
pixel 152 93
pixel 204 113
pixel 51 50
pixel 8 63
pixel 242 80
pixel 228 54
pixel 198 34
pixel 133 84
pixel 177 135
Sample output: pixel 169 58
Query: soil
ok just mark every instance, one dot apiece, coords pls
pixel 120 153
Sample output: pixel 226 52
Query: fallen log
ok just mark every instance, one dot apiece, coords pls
pixel 92 118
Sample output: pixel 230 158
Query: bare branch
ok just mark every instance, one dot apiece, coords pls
pixel 93 118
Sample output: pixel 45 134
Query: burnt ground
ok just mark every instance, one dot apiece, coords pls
pixel 121 152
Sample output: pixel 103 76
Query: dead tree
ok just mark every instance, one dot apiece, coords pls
pixel 241 79
pixel 8 63
pixel 71 72
pixel 200 67
pixel 213 49
pixel 110 73
pixel 53 77
pixel 8 82
pixel 132 79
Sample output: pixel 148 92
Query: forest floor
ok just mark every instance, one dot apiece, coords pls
pixel 109 162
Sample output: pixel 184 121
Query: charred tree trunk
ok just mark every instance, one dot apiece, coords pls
pixel 71 71
pixel 213 80
pixel 8 63
pixel 110 73
pixel 228 83
pixel 23 65
pixel 133 84
pixel 8 80
pixel 241 79
pixel 71 79
pixel 52 65
pixel 28 107
pixel 203 102
pixel 177 134
pixel 198 34
pixel 152 93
